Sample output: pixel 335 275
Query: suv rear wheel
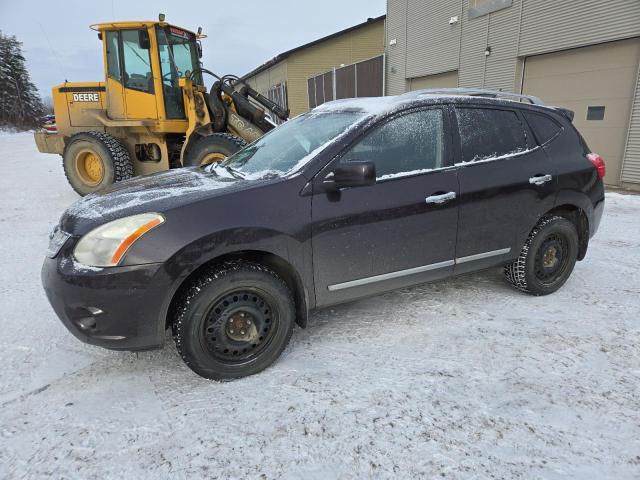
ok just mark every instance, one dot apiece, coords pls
pixel 234 321
pixel 547 257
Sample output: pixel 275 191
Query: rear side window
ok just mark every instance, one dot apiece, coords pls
pixel 544 128
pixel 487 133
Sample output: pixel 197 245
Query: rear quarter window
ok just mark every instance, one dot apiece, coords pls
pixel 544 127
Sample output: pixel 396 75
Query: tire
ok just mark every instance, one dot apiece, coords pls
pixel 233 321
pixel 95 160
pixel 547 257
pixel 213 148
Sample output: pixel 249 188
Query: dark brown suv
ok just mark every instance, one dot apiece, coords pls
pixel 352 199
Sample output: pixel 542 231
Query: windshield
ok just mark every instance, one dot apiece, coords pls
pixel 178 55
pixel 290 146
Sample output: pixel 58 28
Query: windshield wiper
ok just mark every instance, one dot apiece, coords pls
pixel 224 171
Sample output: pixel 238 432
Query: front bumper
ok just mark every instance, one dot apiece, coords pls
pixel 120 308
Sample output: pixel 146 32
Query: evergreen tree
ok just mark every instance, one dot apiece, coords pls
pixel 20 104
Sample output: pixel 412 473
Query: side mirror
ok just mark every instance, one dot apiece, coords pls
pixel 354 174
pixel 143 39
pixel 199 47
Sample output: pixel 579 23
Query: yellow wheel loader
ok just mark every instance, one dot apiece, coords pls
pixel 153 111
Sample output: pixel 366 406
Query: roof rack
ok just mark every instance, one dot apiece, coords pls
pixel 480 92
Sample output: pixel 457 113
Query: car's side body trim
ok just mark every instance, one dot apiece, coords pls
pixel 390 275
pixel 481 256
pixel 410 271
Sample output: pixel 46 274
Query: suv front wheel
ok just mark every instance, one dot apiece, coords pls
pixel 547 257
pixel 233 321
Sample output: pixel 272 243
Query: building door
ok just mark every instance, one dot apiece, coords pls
pixel 598 84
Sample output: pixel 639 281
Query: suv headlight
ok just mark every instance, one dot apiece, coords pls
pixel 105 245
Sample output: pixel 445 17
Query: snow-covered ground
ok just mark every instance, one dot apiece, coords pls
pixel 465 378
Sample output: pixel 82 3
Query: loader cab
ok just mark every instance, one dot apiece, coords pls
pixel 143 64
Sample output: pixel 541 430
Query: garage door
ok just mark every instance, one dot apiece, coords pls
pixel 598 84
pixel 441 80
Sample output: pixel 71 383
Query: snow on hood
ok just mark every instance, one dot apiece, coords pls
pixel 150 193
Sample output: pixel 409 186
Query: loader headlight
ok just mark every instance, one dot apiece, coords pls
pixel 105 245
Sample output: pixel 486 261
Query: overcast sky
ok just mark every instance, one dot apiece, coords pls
pixel 58 44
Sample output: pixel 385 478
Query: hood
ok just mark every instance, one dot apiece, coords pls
pixel 157 192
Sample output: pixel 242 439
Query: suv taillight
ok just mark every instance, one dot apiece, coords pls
pixel 598 162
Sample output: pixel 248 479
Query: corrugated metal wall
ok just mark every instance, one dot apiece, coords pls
pixel 474 41
pixel 500 70
pixel 631 163
pixel 551 25
pixel 396 31
pixel 446 36
pixel 426 42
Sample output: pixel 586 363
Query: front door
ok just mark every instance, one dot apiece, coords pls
pixel 506 184
pixel 398 232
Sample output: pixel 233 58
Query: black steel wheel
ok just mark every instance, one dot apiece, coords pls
pixel 240 325
pixel 234 320
pixel 552 258
pixel 547 257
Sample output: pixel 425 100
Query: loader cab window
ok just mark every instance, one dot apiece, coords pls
pixel 137 62
pixel 113 55
pixel 178 55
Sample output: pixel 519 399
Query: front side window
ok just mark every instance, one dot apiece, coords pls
pixel 406 145
pixel 178 55
pixel 137 62
pixel 113 55
pixel 489 134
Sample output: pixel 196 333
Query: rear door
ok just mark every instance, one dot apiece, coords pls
pixel 398 232
pixel 506 184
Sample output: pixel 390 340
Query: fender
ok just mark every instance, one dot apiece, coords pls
pixel 257 241
pixel 572 199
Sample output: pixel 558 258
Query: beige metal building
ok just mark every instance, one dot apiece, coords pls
pixel 581 54
pixel 325 69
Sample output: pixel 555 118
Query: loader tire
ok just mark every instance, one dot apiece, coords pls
pixel 214 148
pixel 95 160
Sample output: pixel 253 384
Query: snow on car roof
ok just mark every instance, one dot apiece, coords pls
pixel 380 105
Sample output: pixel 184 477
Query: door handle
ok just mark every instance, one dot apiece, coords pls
pixel 541 180
pixel 439 199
